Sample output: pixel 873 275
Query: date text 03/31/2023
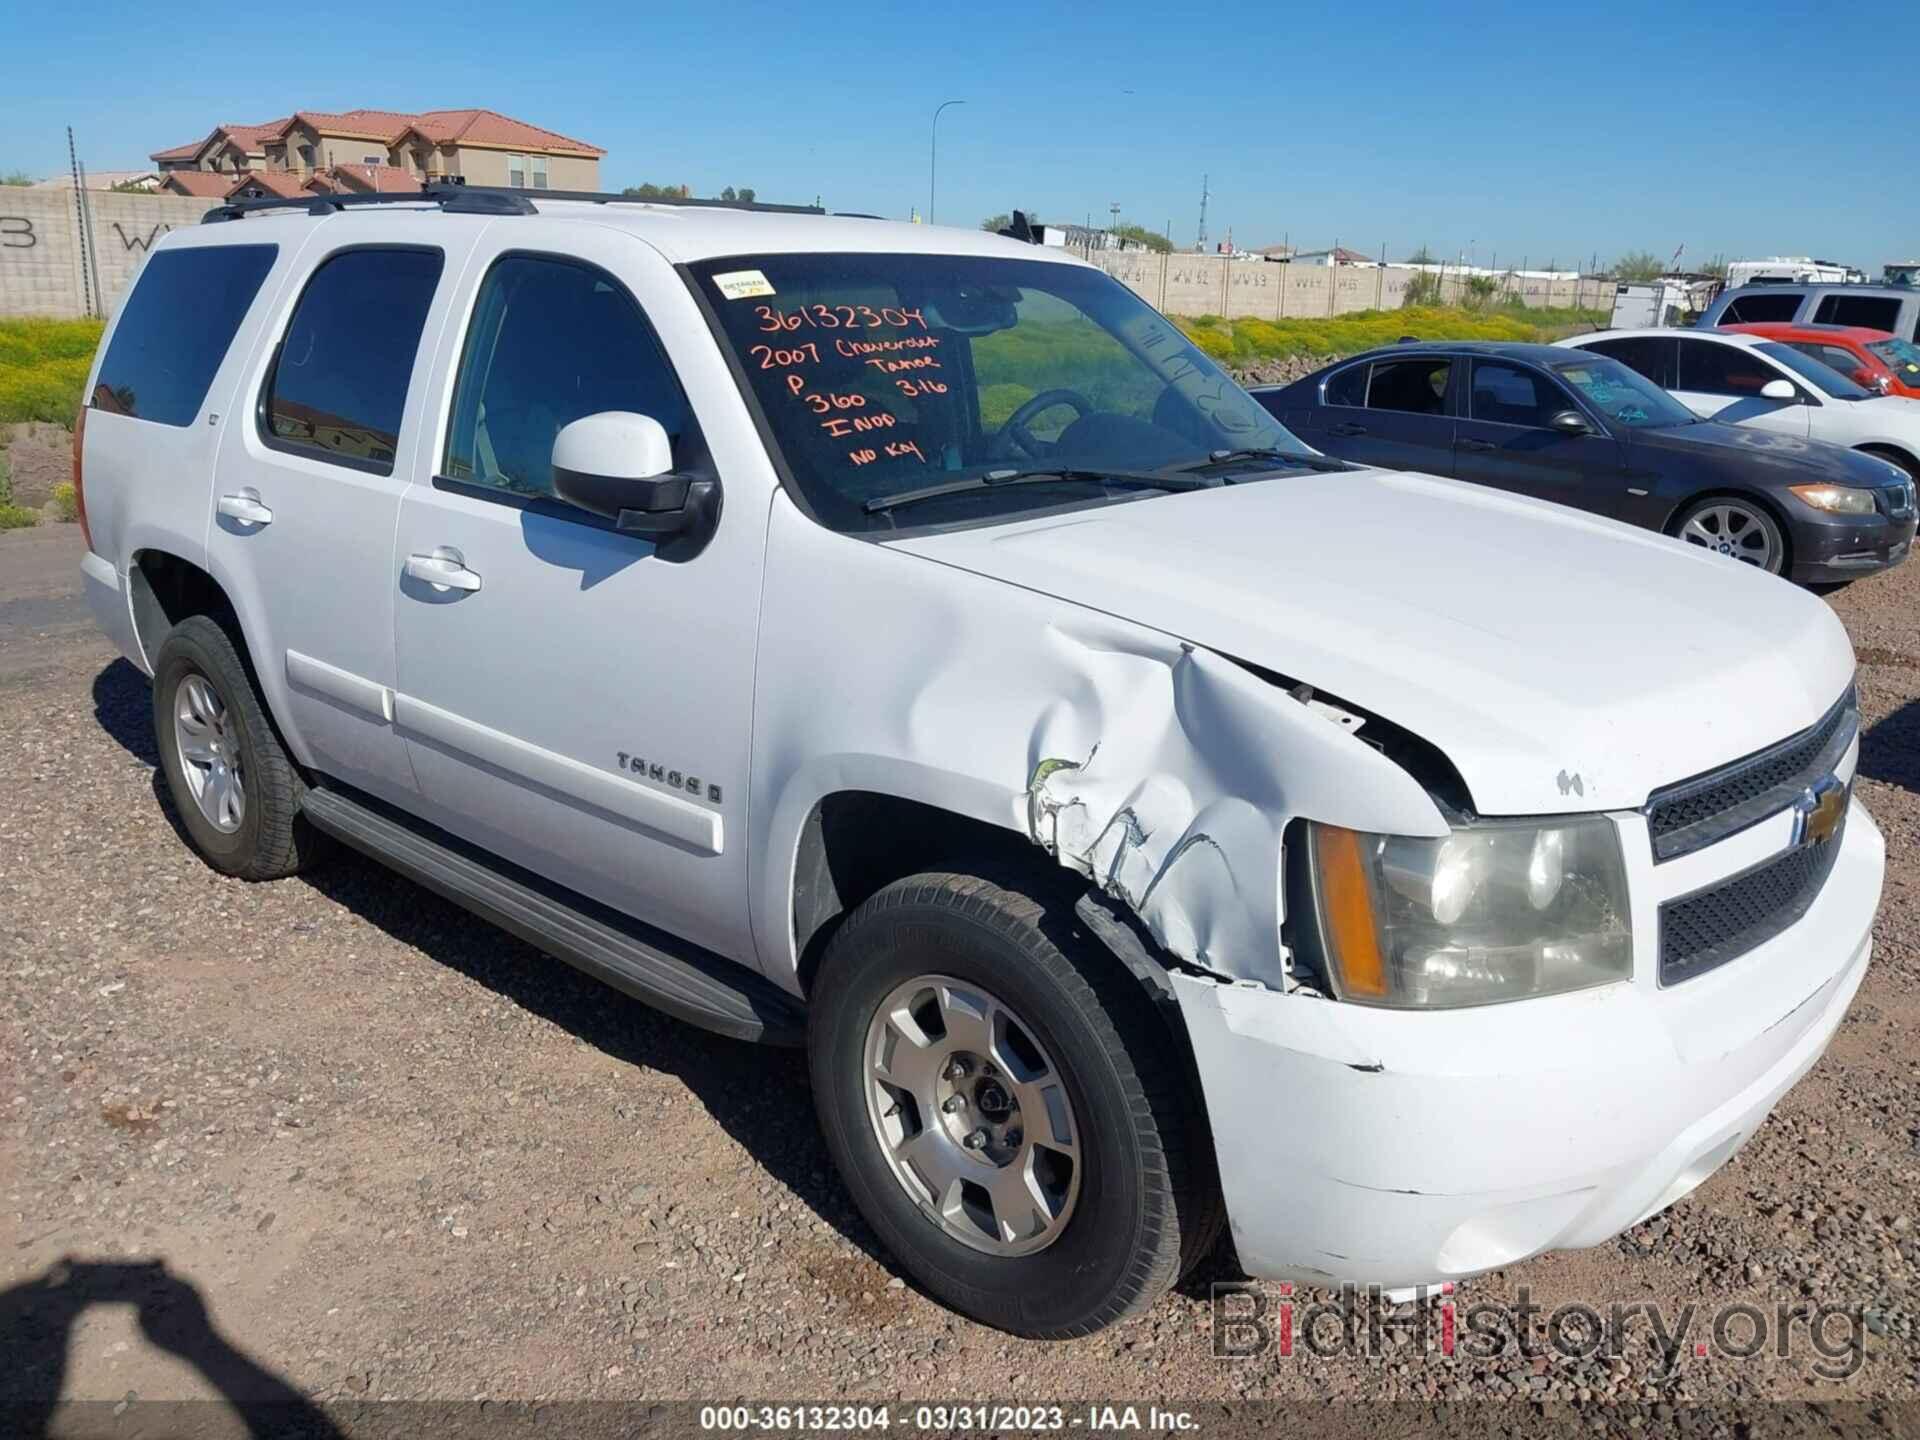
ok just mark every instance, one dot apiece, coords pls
pixel 965 1418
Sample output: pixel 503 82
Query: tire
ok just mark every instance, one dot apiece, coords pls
pixel 1138 1204
pixel 263 836
pixel 1739 528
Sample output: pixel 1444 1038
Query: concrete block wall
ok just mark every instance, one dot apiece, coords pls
pixel 41 270
pixel 1180 284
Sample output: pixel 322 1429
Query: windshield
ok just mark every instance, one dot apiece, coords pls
pixel 1902 357
pixel 1824 379
pixel 1622 395
pixel 882 375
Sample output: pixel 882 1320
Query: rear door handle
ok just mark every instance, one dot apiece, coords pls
pixel 443 568
pixel 1468 444
pixel 1346 427
pixel 246 508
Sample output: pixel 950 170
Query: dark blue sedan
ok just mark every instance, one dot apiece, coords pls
pixel 1578 428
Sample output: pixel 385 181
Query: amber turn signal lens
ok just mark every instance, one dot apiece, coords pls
pixel 1346 912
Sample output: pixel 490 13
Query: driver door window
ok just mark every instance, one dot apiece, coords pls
pixel 1054 346
pixel 551 341
pixel 1508 395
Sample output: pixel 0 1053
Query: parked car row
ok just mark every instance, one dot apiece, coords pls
pixel 1746 445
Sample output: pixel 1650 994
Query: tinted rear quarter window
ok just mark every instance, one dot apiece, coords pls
pixel 1349 387
pixel 339 381
pixel 175 328
pixel 1874 312
pixel 1759 309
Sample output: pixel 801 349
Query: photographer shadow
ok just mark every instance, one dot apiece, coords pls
pixel 37 1320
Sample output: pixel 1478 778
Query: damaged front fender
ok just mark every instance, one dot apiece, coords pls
pixel 1165 773
pixel 1167 776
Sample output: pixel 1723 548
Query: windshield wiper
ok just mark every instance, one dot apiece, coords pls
pixel 1035 475
pixel 1280 457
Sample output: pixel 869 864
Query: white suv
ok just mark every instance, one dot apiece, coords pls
pixel 903 642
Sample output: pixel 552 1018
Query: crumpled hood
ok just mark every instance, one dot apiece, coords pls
pixel 1562 661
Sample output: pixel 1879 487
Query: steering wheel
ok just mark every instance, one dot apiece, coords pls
pixel 1015 430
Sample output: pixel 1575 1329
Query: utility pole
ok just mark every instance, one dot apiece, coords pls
pixel 1200 236
pixel 933 153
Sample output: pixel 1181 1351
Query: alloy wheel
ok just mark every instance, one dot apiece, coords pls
pixel 972 1116
pixel 209 753
pixel 1734 530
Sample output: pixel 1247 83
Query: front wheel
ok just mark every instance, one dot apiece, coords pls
pixel 1738 529
pixel 1011 1114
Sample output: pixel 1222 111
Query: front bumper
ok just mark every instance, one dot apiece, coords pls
pixel 1406 1148
pixel 1829 550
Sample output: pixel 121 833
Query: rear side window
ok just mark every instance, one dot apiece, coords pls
pixel 1873 312
pixel 1759 309
pixel 1416 386
pixel 551 341
pixel 175 329
pixel 339 382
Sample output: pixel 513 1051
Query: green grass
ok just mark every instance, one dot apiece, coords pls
pixel 1247 342
pixel 12 516
pixel 43 367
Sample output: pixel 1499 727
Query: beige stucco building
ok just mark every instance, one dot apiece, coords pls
pixel 482 147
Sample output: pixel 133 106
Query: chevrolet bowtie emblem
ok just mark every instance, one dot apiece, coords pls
pixel 1819 810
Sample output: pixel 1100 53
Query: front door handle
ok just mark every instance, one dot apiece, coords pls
pixel 1347 427
pixel 246 508
pixel 443 568
pixel 1470 444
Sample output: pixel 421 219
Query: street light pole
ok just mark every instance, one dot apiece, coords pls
pixel 933 154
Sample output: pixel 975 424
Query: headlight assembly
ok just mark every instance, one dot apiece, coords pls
pixel 1497 910
pixel 1836 499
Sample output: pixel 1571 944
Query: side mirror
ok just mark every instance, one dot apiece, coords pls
pixel 1571 422
pixel 1778 390
pixel 619 465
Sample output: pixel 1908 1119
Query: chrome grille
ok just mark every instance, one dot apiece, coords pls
pixel 1699 812
pixel 1724 921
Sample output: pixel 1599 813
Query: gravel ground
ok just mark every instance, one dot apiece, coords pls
pixel 394 1153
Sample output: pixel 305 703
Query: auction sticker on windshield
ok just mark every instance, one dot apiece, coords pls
pixel 742 284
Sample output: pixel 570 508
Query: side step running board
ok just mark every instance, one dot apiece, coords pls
pixel 658 969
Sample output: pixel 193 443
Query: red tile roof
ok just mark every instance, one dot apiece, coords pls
pixel 250 138
pixel 209 183
pixel 490 127
pixel 275 182
pixel 439 127
pixel 378 179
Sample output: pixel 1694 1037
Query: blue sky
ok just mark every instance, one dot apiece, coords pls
pixel 1535 132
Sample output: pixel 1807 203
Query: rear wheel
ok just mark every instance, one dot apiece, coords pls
pixel 1009 1110
pixel 1738 529
pixel 235 788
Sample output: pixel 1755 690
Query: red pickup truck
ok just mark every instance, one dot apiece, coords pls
pixel 1872 358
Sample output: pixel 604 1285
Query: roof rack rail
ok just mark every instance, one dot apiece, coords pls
pixel 456 197
pixel 604 197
